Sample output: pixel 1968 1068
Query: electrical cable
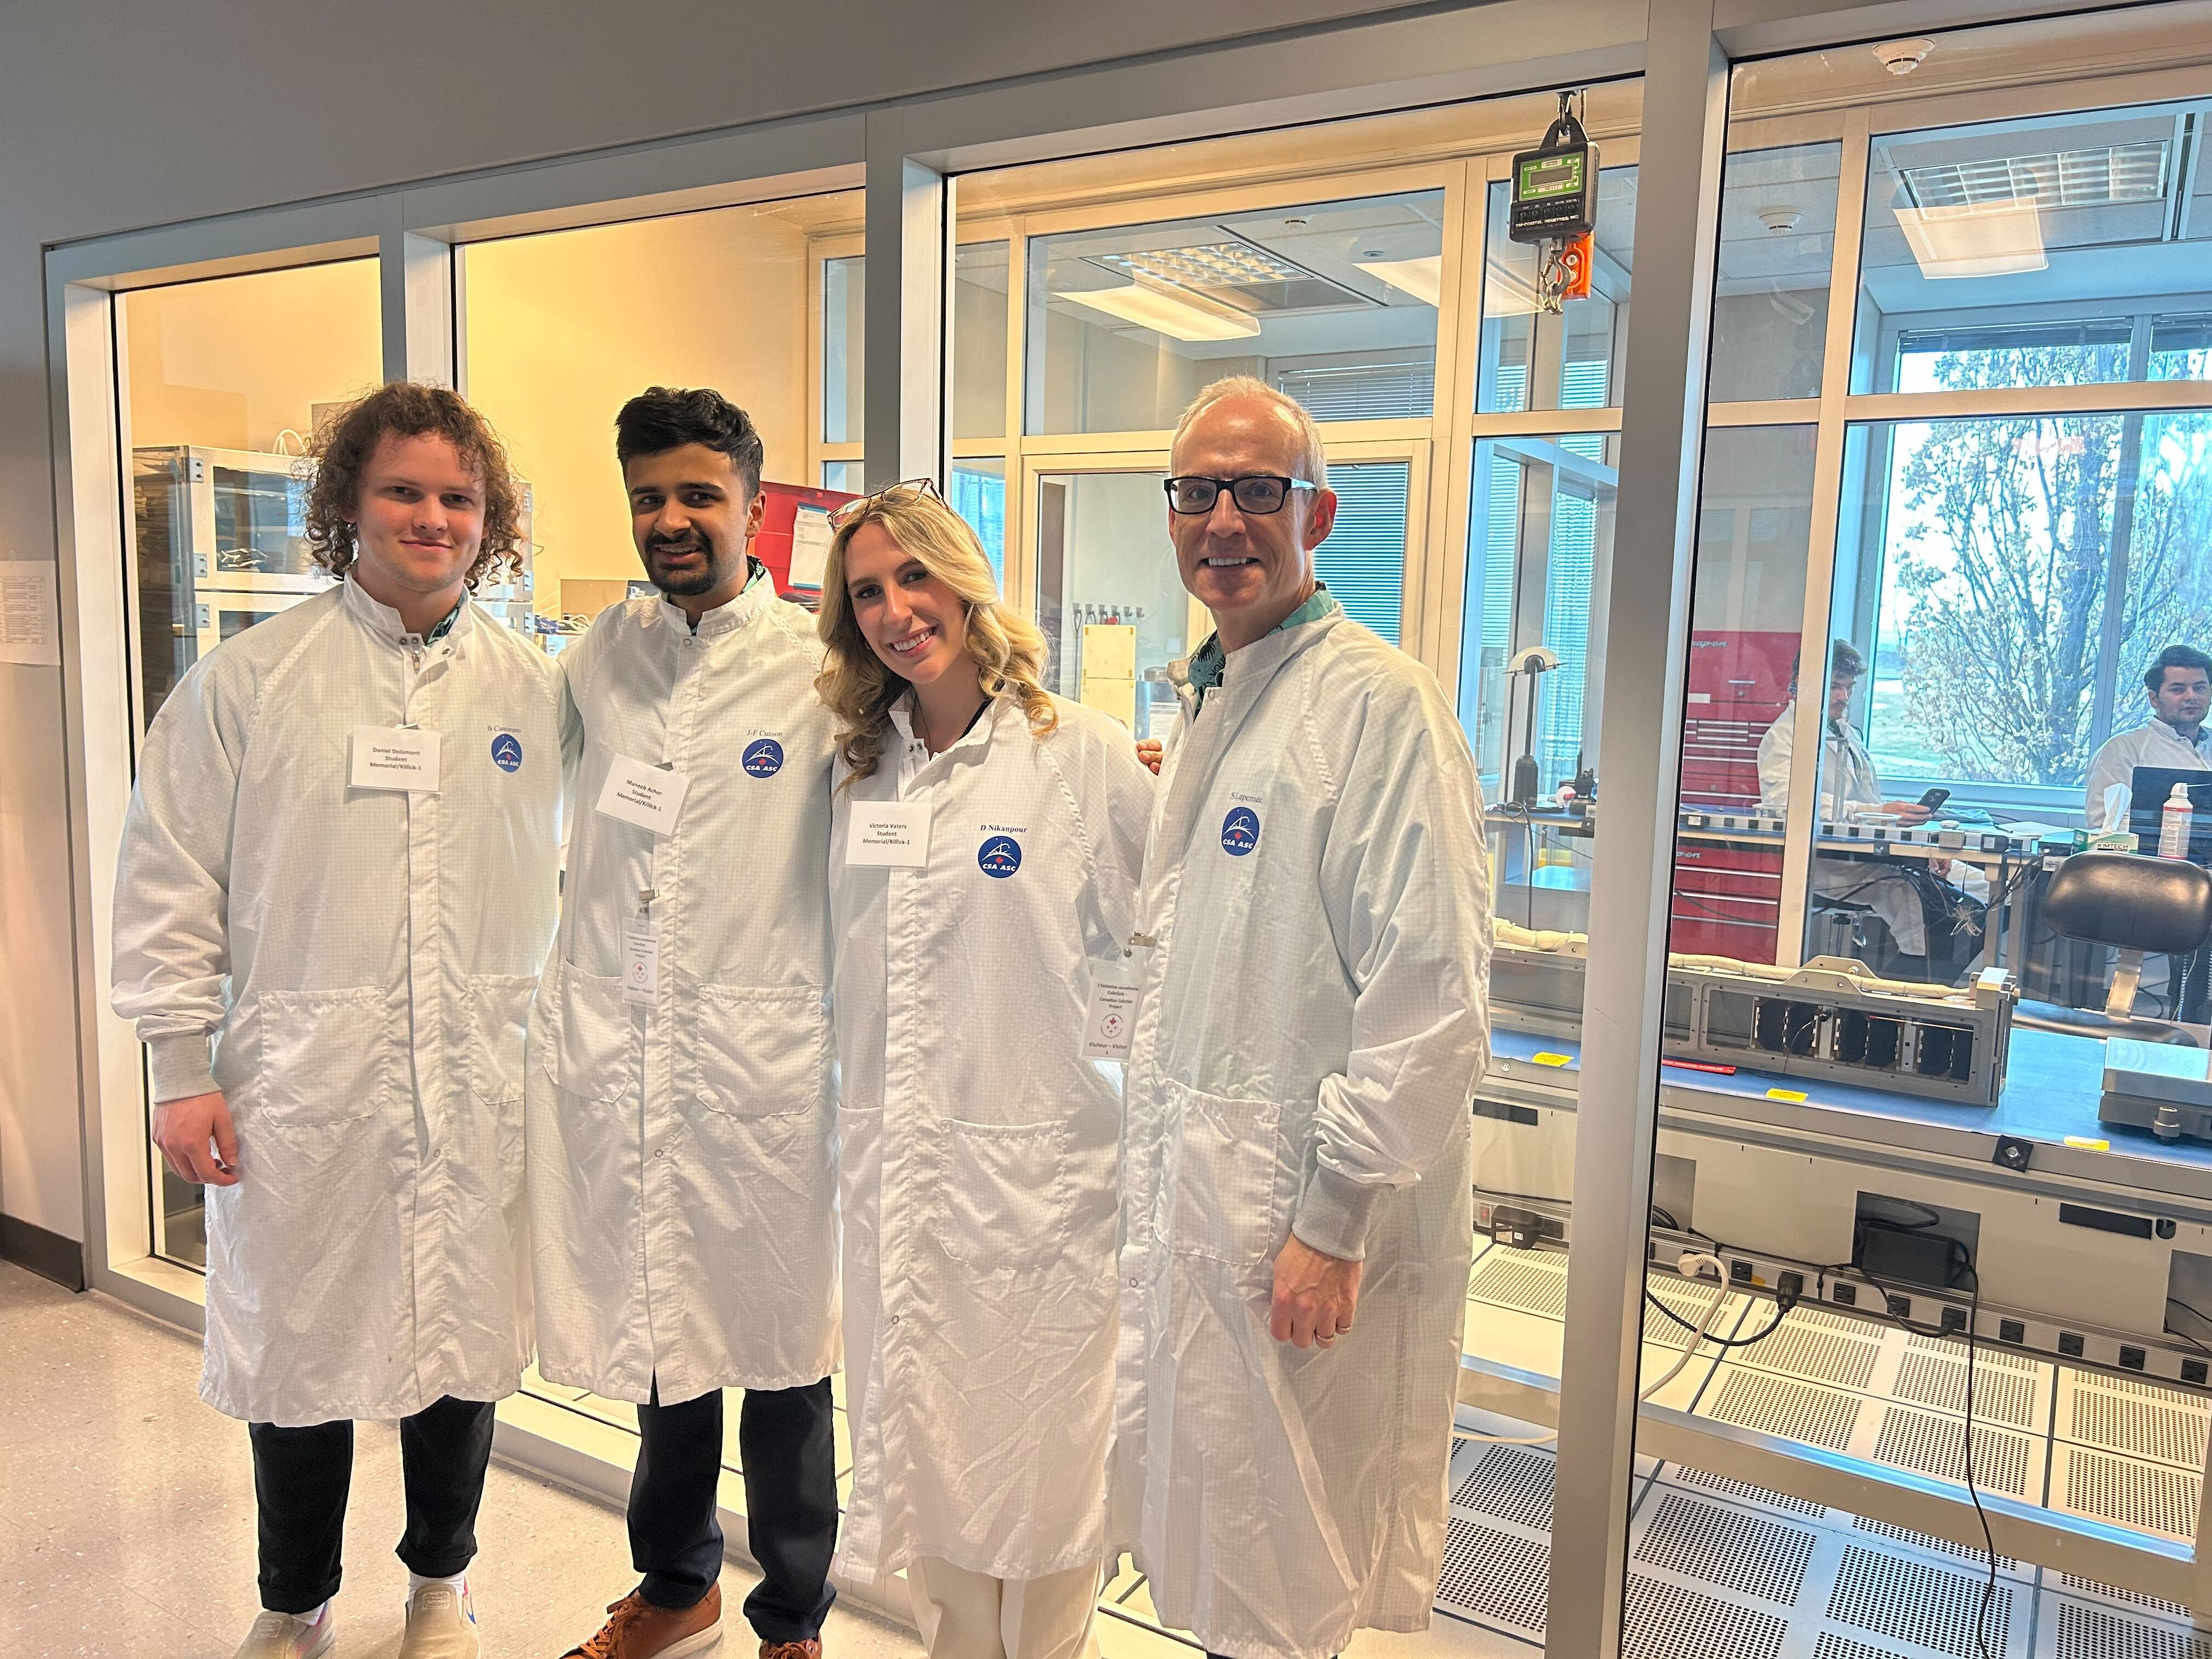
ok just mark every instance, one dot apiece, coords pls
pixel 1783 1306
pixel 2195 1313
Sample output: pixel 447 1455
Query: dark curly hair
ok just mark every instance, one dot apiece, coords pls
pixel 665 418
pixel 345 440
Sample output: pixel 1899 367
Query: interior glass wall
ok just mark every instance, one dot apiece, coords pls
pixel 220 385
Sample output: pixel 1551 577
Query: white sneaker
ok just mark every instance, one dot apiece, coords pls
pixel 282 1636
pixel 440 1624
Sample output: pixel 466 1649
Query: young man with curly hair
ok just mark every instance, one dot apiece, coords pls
pixel 338 882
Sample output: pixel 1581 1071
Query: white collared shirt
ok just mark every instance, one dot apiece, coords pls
pixel 2156 744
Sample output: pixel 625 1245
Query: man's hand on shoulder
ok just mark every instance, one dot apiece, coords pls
pixel 183 1129
pixel 1314 1296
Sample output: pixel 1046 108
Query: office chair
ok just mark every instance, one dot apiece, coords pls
pixel 2136 905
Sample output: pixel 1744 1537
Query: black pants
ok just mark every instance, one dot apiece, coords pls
pixel 301 1477
pixel 790 1462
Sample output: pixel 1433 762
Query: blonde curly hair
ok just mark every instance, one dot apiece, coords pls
pixel 855 684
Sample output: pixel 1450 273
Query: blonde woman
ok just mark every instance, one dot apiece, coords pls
pixel 983 868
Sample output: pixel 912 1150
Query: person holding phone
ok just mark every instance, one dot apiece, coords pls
pixel 983 866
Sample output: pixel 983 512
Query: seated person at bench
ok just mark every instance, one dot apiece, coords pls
pixel 1935 928
pixel 2178 686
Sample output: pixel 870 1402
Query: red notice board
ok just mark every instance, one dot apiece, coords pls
pixel 780 511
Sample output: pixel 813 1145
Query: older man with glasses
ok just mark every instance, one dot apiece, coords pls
pixel 1315 936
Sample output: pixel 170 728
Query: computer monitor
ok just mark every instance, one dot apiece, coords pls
pixel 2149 788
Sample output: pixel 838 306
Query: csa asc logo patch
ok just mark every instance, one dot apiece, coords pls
pixel 764 758
pixel 506 752
pixel 1240 831
pixel 999 856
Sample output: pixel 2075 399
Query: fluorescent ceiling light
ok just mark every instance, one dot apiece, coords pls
pixel 1182 316
pixel 1982 239
pixel 2101 177
pixel 1208 264
pixel 1422 278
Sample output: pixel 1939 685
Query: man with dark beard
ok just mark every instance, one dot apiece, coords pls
pixel 678 1107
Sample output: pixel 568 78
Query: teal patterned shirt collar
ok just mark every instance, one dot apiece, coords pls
pixel 1209 662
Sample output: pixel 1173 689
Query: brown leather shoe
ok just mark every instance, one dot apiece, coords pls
pixel 810 1648
pixel 635 1629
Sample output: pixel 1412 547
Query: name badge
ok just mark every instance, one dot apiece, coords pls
pixel 648 796
pixel 404 758
pixel 1110 1020
pixel 887 834
pixel 641 964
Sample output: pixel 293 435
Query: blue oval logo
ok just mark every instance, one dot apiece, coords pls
pixel 506 752
pixel 999 856
pixel 764 758
pixel 1240 831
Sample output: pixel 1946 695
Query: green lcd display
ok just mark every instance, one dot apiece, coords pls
pixel 1543 176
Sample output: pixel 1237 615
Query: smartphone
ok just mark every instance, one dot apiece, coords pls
pixel 1935 798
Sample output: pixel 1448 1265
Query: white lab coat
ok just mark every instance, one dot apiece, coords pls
pixel 977 1146
pixel 680 1181
pixel 364 961
pixel 2154 743
pixel 1849 789
pixel 1313 1025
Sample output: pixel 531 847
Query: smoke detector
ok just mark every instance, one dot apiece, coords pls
pixel 1780 218
pixel 1903 57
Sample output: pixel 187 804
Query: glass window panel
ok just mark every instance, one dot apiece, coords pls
pixel 1754 527
pixel 714 299
pixel 979 340
pixel 1539 540
pixel 223 381
pixel 1363 560
pixel 844 350
pixel 1104 560
pixel 1778 245
pixel 1335 303
pixel 843 475
pixel 979 496
pixel 1534 359
pixel 2042 252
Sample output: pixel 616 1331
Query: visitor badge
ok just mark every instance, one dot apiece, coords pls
pixel 641 964
pixel 1110 1020
pixel 648 796
pixel 887 834
pixel 402 757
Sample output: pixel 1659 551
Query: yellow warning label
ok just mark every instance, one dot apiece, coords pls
pixel 1794 1097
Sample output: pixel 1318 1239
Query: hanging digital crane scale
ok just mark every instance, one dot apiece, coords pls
pixel 1554 196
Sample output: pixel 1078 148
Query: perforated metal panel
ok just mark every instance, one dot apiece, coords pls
pixel 2001 1396
pixel 2088 1632
pixel 2112 1592
pixel 1496 1576
pixel 1821 1356
pixel 1921 1540
pixel 1928 1444
pixel 1667 1621
pixel 1746 1493
pixel 2146 1496
pixel 1778 1405
pixel 1514 1280
pixel 1917 1601
pixel 2144 1427
pixel 1510 1483
pixel 1953 1347
pixel 1833 1646
pixel 1745 1552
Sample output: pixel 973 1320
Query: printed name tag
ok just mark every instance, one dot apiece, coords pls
pixel 395 757
pixel 646 796
pixel 1110 1019
pixel 641 964
pixel 889 834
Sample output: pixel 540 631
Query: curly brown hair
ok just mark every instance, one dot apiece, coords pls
pixel 346 438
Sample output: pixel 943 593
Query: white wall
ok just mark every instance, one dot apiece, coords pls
pixel 119 114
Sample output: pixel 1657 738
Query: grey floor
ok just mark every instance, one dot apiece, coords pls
pixel 126 1514
pixel 126 1523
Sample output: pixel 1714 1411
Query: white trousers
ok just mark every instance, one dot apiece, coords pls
pixel 972 1615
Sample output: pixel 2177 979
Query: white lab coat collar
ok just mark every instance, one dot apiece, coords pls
pixel 725 618
pixel 911 765
pixel 381 620
pixel 1246 671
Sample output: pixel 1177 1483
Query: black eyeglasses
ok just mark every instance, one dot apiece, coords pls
pixel 1255 492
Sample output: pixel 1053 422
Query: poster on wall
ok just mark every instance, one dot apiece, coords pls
pixel 30 630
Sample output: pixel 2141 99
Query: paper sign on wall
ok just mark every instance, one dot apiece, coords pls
pixel 30 621
pixel 810 536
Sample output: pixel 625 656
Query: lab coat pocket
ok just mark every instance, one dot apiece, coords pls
pixel 757 1053
pixel 498 1009
pixel 1223 1182
pixel 595 1038
pixel 327 1057
pixel 1005 1194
